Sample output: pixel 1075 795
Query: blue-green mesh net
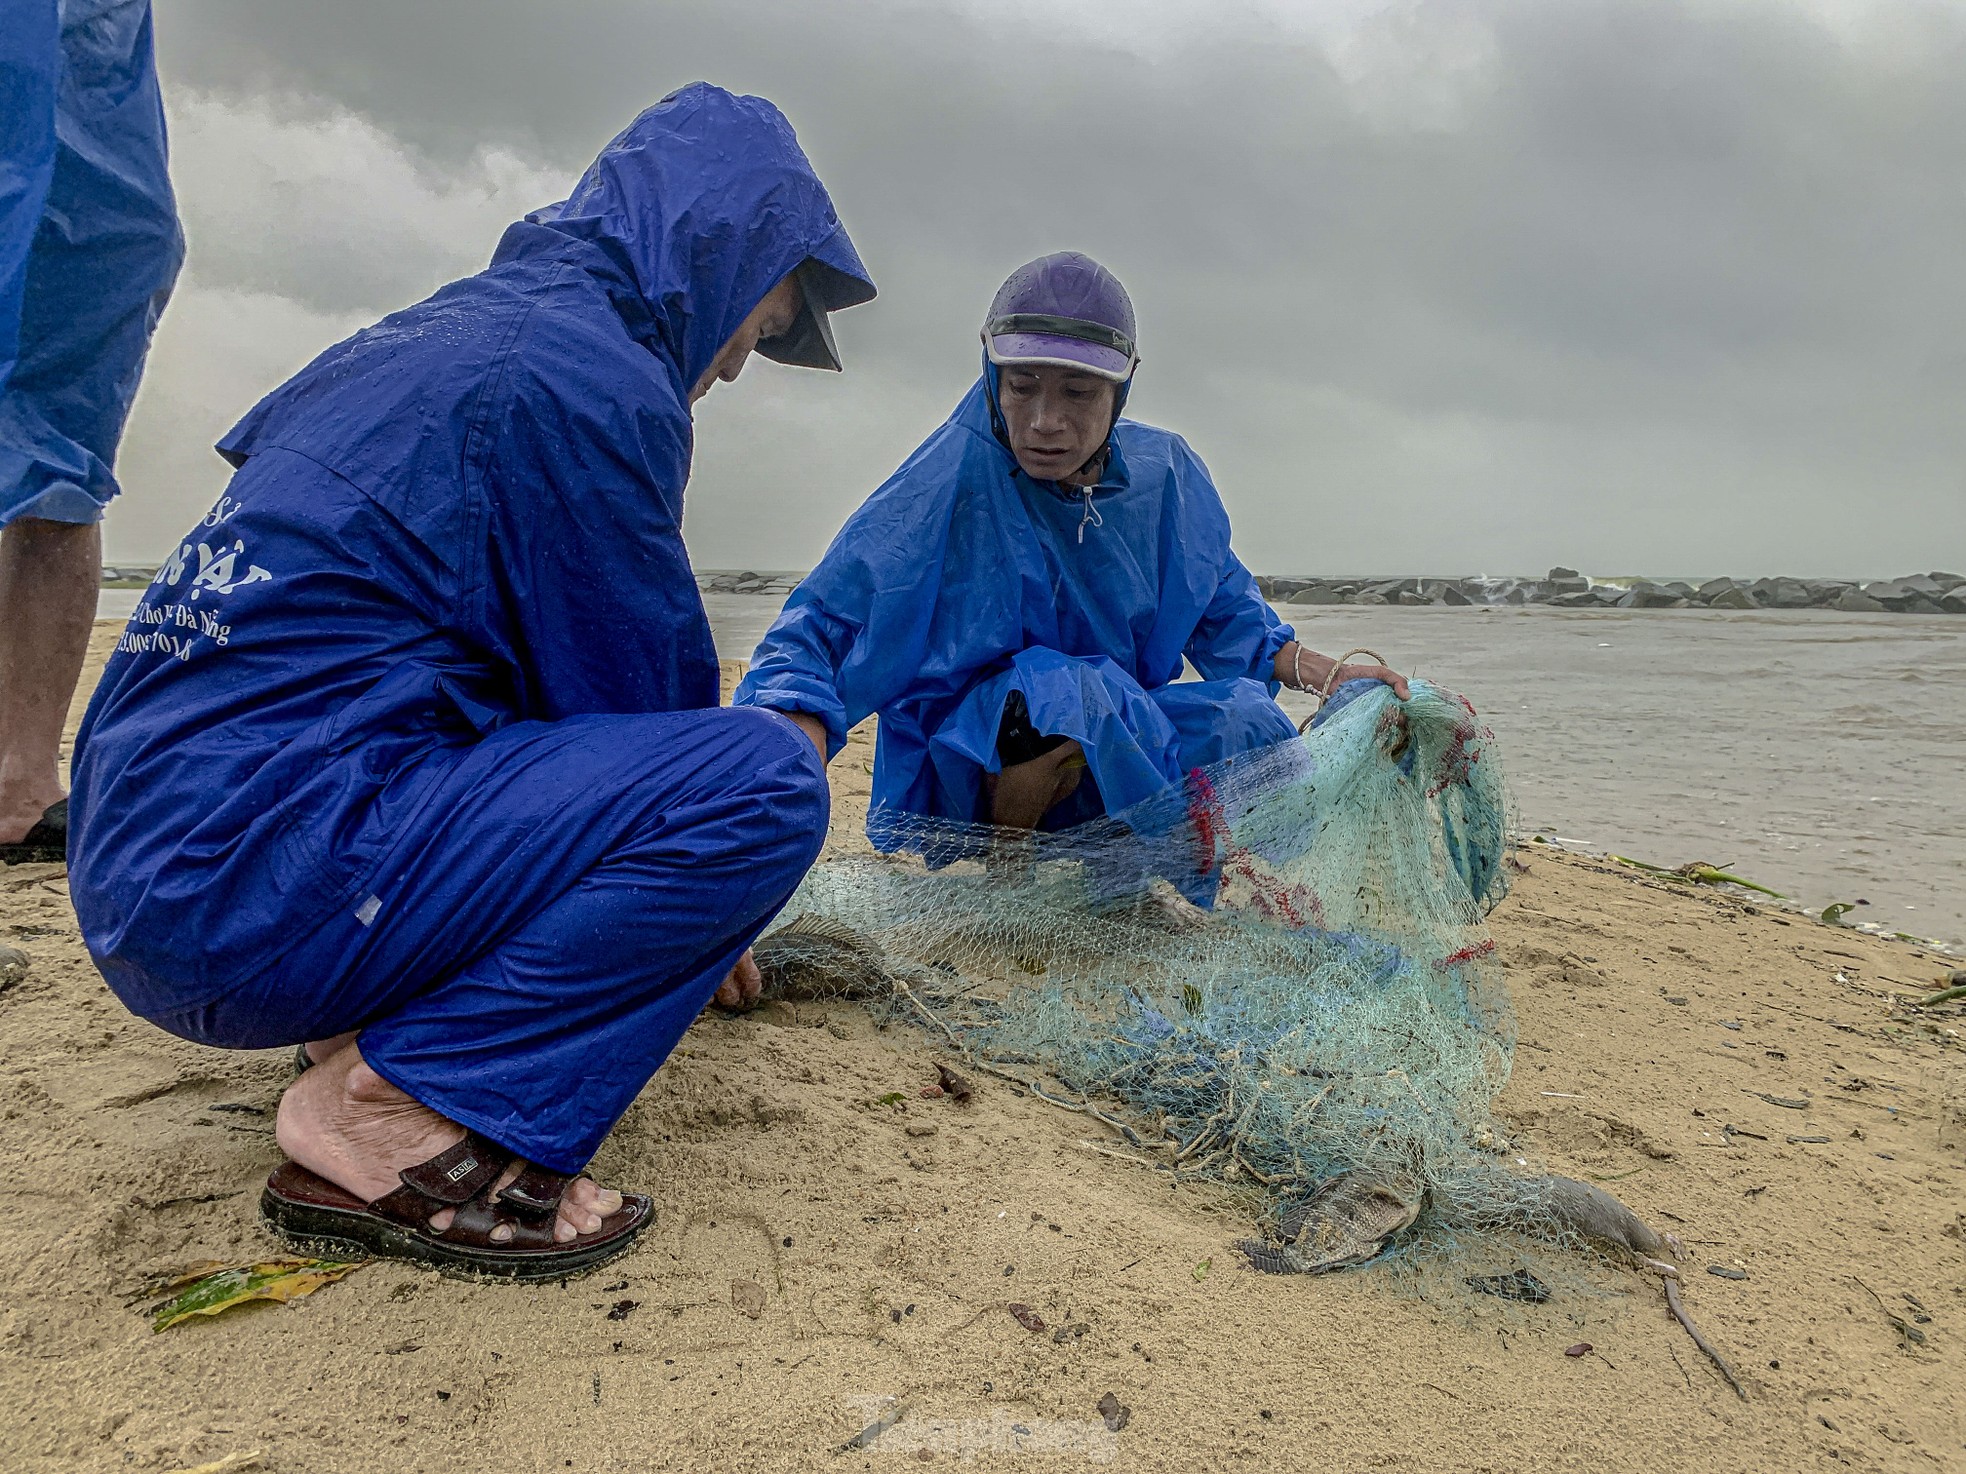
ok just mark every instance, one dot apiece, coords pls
pixel 1335 1008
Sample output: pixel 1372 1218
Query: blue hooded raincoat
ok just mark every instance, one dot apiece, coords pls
pixel 385 714
pixel 962 579
pixel 89 246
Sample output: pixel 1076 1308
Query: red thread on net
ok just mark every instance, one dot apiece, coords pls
pixel 1466 954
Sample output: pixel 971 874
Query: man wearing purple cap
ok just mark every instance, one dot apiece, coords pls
pixel 1017 600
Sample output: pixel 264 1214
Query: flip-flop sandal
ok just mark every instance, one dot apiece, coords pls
pixel 316 1214
pixel 46 843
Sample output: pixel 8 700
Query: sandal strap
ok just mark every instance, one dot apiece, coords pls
pixel 477 1219
pixel 447 1180
pixel 535 1193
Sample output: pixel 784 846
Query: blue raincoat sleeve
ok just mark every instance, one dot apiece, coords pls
pixel 1239 634
pixel 102 248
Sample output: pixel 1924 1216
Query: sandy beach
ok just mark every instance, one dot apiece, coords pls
pixel 1674 1046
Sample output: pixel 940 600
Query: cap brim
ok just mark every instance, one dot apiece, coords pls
pixel 825 288
pixel 1061 352
pixel 808 343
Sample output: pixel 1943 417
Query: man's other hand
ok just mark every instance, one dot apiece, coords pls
pixel 742 987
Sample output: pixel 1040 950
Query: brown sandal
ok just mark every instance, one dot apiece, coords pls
pixel 316 1213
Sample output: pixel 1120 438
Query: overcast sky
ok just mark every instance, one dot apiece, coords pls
pixel 1454 286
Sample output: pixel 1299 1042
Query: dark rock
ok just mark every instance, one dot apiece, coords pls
pixel 1897 595
pixel 1556 575
pixel 1451 594
pixel 1391 588
pixel 1856 601
pixel 1734 598
pixel 1651 596
pixel 1316 594
pixel 1280 589
pixel 1368 597
pixel 1946 581
pixel 1920 583
pixel 14 964
pixel 1434 590
pixel 1587 599
pixel 1683 589
pixel 1713 588
pixel 1954 602
pixel 1411 597
pixel 1781 593
pixel 1825 591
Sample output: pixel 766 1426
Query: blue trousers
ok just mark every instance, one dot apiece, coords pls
pixel 559 914
pixel 1138 744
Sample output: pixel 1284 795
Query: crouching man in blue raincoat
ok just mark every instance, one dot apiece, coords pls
pixel 1018 599
pixel 413 749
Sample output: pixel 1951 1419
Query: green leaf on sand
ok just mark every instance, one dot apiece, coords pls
pixel 207 1291
pixel 1834 914
pixel 1697 873
pixel 1201 1269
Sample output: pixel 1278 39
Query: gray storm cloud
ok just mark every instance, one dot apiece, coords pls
pixel 1638 285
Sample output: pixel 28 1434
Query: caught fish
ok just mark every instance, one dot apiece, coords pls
pixel 1347 1221
pixel 812 959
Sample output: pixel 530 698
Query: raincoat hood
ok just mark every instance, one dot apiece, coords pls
pixel 692 214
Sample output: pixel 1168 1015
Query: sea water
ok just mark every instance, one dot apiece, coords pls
pixel 1821 754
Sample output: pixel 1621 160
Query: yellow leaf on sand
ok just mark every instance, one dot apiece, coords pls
pixel 209 1292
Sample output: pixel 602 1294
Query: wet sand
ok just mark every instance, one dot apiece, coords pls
pixel 888 1240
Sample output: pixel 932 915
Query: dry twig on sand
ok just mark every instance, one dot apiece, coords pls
pixel 1679 1314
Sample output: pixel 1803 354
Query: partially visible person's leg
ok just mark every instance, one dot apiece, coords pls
pixel 89 250
pixel 49 576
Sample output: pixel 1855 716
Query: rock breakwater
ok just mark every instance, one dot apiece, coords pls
pixel 1565 588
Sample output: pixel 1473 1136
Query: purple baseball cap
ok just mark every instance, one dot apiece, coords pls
pixel 1067 310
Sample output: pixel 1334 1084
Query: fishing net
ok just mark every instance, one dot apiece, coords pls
pixel 1279 975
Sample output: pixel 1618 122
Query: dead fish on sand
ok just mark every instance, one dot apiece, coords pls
pixel 1347 1221
pixel 1351 1219
pixel 811 959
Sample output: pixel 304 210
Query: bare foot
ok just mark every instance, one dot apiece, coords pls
pixel 343 1121
pixel 1023 793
